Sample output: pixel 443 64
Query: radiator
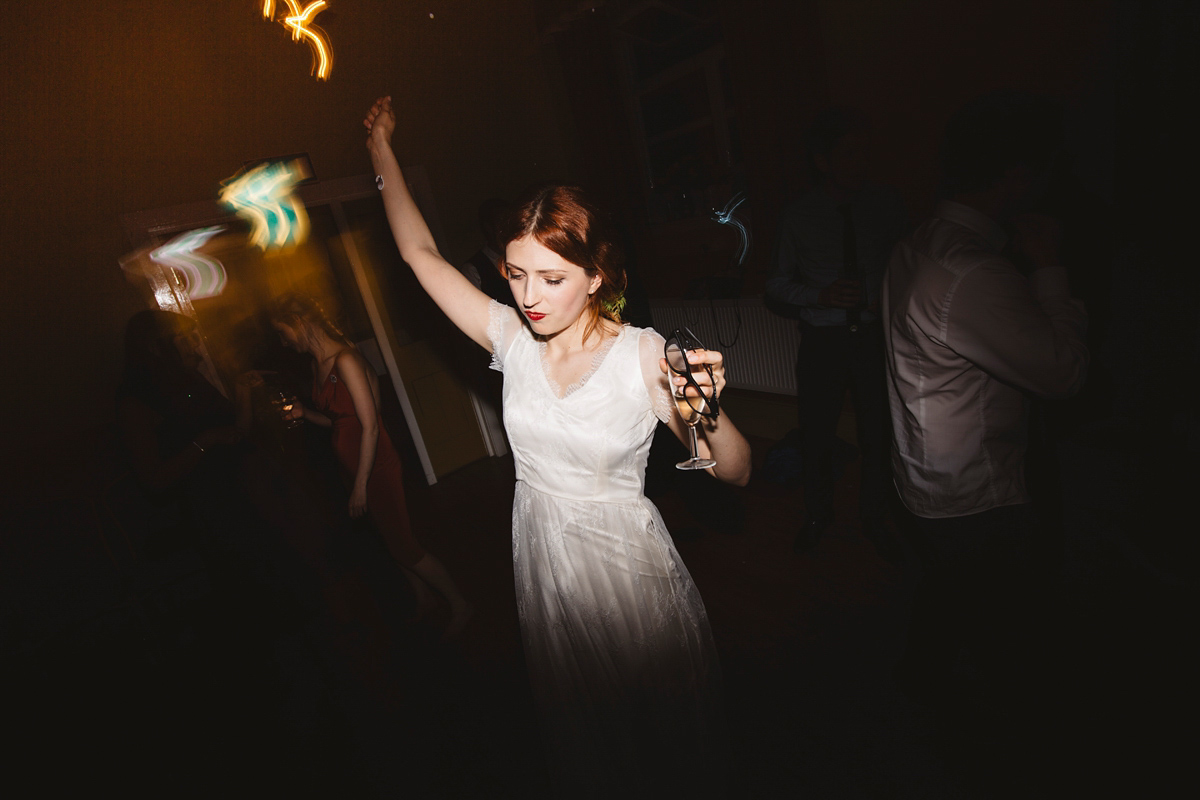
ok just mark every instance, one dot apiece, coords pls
pixel 760 352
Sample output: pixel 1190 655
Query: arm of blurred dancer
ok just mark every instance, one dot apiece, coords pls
pixel 1028 332
pixel 355 377
pixel 465 305
pixel 716 439
pixel 138 426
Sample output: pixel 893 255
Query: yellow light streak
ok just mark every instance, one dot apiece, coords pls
pixel 300 23
pixel 299 18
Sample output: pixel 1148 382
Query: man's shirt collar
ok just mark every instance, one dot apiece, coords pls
pixel 974 220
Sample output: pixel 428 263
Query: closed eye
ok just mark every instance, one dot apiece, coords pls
pixel 555 281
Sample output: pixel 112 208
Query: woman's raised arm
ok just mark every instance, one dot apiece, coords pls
pixel 466 306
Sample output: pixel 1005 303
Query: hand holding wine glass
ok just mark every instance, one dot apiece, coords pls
pixel 292 409
pixel 697 374
pixel 285 404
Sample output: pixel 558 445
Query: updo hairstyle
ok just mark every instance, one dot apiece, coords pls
pixel 563 220
pixel 299 311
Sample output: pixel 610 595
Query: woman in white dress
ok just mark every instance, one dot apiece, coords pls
pixel 617 641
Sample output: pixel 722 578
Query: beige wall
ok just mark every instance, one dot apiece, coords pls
pixel 112 106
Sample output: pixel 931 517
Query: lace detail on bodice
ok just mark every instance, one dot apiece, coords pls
pixel 597 360
pixel 503 326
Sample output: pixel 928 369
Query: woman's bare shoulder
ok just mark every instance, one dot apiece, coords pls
pixel 351 358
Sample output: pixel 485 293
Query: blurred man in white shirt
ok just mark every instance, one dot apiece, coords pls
pixel 972 333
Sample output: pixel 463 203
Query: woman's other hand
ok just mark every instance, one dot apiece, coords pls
pixel 380 122
pixel 358 501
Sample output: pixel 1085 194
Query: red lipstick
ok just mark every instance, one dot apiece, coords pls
pixel 534 315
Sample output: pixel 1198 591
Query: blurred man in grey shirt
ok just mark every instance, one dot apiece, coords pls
pixel 973 331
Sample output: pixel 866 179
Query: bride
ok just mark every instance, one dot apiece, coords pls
pixel 616 638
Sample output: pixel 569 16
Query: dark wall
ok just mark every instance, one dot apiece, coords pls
pixel 911 65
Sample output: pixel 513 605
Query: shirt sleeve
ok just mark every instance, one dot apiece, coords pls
pixel 650 350
pixel 503 327
pixel 784 284
pixel 1025 332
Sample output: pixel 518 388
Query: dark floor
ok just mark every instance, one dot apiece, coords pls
pixel 175 695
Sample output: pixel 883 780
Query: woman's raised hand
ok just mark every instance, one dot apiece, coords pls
pixel 380 122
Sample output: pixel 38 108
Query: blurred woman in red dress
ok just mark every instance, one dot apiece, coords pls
pixel 346 396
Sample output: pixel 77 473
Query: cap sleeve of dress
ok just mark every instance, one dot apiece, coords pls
pixel 650 350
pixel 503 327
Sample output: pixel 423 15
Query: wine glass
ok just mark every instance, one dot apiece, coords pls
pixel 284 404
pixel 282 401
pixel 690 400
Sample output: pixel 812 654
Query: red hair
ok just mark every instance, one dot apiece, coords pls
pixel 564 221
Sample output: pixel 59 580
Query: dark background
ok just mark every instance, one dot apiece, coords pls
pixel 664 109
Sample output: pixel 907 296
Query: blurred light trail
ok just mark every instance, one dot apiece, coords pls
pixel 203 275
pixel 300 22
pixel 725 217
pixel 263 197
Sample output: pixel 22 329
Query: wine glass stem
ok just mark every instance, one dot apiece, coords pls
pixel 692 430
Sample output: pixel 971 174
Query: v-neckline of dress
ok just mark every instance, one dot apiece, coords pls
pixel 598 360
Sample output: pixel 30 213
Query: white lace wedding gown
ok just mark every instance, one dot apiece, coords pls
pixel 616 637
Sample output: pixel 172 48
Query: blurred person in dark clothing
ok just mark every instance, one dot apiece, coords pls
pixel 828 264
pixel 186 440
pixel 975 329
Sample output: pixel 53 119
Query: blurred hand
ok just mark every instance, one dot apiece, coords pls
pixel 358 501
pixel 1037 237
pixel 842 293
pixel 380 122
pixel 296 411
